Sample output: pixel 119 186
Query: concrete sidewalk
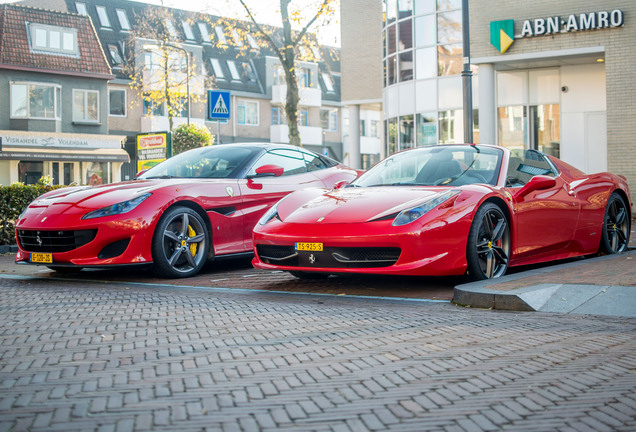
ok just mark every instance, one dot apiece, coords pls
pixel 604 285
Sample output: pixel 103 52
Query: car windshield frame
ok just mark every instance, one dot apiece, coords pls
pixel 210 162
pixel 440 165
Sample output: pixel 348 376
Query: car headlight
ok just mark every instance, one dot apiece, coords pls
pixel 119 208
pixel 269 215
pixel 413 214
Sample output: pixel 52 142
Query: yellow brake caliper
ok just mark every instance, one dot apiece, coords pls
pixel 193 246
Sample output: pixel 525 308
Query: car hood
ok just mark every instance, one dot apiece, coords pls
pixel 353 205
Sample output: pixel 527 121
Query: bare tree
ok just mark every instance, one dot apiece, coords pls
pixel 291 45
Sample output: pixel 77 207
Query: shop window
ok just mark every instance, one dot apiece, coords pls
pixel 29 172
pixel 35 101
pixel 96 173
pixel 117 102
pixel 426 129
pixel 247 113
pixel 85 106
pixel 407 136
pixel 449 121
pixel 392 135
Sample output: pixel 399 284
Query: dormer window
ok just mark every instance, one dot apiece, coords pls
pixel 216 68
pixel 114 55
pixel 53 40
pixel 220 35
pixel 81 8
pixel 203 29
pixel 233 70
pixel 172 31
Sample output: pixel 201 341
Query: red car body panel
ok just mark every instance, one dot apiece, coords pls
pixel 559 222
pixel 233 206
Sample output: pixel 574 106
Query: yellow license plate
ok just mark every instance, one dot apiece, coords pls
pixel 312 247
pixel 46 258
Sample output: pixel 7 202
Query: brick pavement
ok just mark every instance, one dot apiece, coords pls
pixel 116 357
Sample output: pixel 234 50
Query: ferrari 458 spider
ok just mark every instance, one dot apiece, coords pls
pixel 447 210
pixel 198 204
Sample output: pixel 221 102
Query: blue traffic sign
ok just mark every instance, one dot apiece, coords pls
pixel 218 105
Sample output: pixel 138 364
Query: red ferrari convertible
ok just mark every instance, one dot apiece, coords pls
pixel 198 204
pixel 447 210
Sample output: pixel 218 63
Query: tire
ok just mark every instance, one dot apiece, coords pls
pixel 616 226
pixel 309 275
pixel 180 244
pixel 488 246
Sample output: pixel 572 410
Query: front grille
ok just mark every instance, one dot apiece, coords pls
pixel 54 241
pixel 330 257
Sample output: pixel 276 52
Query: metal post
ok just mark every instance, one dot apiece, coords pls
pixel 467 76
pixel 218 125
pixel 187 54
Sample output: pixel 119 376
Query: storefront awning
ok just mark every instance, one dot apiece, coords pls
pixel 64 155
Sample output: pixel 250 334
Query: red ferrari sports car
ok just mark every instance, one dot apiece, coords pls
pixel 447 210
pixel 200 203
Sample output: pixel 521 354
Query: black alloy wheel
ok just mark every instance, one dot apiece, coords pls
pixel 616 226
pixel 488 248
pixel 180 245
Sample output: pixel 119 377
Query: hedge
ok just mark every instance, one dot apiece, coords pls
pixel 13 200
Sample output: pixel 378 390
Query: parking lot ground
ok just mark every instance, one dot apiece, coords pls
pixel 89 356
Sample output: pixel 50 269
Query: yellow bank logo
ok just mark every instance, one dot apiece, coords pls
pixel 502 34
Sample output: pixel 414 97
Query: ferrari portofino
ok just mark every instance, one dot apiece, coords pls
pixel 447 210
pixel 196 205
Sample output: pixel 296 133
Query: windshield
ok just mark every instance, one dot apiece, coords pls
pixel 436 165
pixel 220 161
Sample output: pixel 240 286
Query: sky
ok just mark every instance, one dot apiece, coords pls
pixel 265 11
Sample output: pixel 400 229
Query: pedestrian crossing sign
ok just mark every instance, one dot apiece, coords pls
pixel 218 105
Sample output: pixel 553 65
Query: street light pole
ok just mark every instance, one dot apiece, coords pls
pixel 467 75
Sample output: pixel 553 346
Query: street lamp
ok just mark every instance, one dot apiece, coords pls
pixel 187 57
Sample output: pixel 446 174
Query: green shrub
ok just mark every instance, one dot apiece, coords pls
pixel 190 136
pixel 13 200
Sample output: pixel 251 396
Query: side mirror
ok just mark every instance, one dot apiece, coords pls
pixel 539 182
pixel 268 171
pixel 340 184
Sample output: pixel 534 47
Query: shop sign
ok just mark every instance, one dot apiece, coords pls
pixel 502 32
pixel 59 140
pixel 151 149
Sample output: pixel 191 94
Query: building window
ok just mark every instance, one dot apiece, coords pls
pixel 237 38
pixel 203 29
pixel 326 79
pixel 304 78
pixel 407 137
pixel 114 55
pixel 172 31
pixel 117 102
pixel 234 73
pixel 85 106
pixel 35 101
pixel 152 107
pixel 252 41
pixel 219 34
pixel 217 70
pixel 81 8
pixel 247 113
pixel 123 19
pixel 248 71
pixel 276 118
pixel 329 120
pixel 304 117
pixel 426 129
pixel 103 16
pixel 187 29
pixel 52 39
